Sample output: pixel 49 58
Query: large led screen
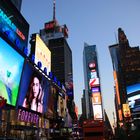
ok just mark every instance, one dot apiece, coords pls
pixel 34 87
pixel 133 88
pixel 11 64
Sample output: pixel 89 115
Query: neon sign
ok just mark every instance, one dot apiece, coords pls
pixel 11 24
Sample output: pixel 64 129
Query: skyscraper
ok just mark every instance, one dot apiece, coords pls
pixel 92 91
pixel 55 36
pixel 126 66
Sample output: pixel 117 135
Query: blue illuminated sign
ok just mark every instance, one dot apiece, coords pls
pixel 6 19
pixel 13 26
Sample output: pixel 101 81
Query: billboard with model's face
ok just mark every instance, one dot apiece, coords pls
pixel 11 64
pixel 33 92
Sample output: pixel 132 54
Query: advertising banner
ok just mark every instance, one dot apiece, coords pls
pixel 94 82
pixel 13 25
pixel 42 54
pixel 97 112
pixel 126 110
pixel 34 89
pixel 96 98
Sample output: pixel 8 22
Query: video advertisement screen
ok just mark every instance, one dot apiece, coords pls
pixel 34 88
pixel 134 103
pixel 11 65
pixel 133 93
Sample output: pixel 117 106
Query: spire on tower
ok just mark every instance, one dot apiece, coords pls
pixel 54 10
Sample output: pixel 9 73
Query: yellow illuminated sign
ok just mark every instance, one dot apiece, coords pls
pixel 42 54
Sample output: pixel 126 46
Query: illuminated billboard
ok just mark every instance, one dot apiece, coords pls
pixel 42 53
pixel 96 98
pixel 133 88
pixel 93 74
pixel 92 65
pixel 34 89
pixel 94 82
pixel 11 64
pixel 116 87
pixel 134 103
pixel 95 89
pixel 97 112
pixel 120 114
pixel 13 25
pixel 61 106
pixel 126 110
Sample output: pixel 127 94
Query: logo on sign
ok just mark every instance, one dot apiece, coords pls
pixel 94 82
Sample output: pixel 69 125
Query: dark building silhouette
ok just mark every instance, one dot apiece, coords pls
pixel 126 66
pixel 55 36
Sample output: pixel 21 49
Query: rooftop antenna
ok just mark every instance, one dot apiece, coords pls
pixel 53 10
